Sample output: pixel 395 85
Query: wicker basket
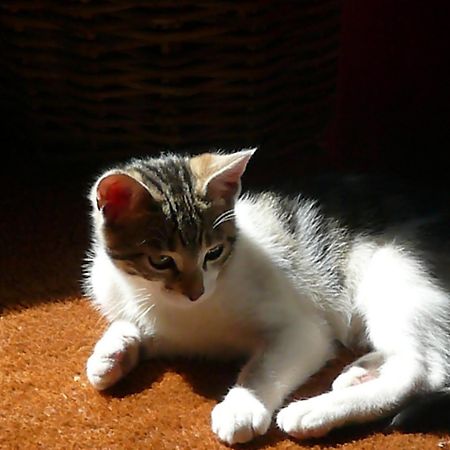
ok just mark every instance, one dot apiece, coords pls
pixel 97 79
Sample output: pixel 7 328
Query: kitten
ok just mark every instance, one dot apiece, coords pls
pixel 181 265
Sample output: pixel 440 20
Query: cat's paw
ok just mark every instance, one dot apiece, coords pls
pixel 104 370
pixel 240 417
pixel 352 376
pixel 306 419
pixel 115 354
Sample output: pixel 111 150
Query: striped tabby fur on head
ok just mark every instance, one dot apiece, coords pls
pixel 170 219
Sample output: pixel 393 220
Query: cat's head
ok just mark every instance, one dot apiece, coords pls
pixel 171 219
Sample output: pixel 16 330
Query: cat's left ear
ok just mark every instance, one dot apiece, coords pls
pixel 219 176
pixel 120 198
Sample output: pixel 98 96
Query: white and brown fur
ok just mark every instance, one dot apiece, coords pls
pixel 285 284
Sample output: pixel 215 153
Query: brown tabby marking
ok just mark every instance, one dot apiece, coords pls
pixel 172 215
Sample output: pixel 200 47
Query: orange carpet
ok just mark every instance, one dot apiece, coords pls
pixel 47 331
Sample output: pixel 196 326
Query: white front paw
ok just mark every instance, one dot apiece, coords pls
pixel 115 354
pixel 104 370
pixel 307 418
pixel 240 417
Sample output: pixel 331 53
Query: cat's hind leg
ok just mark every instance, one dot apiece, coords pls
pixel 397 380
pixel 114 355
pixel 363 369
pixel 406 321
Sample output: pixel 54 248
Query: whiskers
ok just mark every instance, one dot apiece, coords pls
pixel 143 303
pixel 224 217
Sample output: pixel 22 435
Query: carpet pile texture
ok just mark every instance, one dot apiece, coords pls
pixel 47 331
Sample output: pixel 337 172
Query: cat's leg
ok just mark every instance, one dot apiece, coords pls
pixel 405 323
pixel 287 361
pixel 363 369
pixel 397 380
pixel 114 355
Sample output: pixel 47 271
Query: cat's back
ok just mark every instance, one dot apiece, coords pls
pixel 261 219
pixel 293 230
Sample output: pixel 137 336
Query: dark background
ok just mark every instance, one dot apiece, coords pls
pixel 389 113
pixel 393 89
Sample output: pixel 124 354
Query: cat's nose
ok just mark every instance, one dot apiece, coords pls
pixel 195 294
pixel 192 285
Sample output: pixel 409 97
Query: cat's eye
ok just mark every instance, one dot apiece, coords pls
pixel 162 262
pixel 214 253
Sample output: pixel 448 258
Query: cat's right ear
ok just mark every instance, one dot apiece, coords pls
pixel 120 197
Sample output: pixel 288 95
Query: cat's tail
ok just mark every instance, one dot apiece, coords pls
pixel 429 412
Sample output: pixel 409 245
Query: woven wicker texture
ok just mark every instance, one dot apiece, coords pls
pixel 129 76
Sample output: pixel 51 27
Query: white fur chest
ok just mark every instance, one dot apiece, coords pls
pixel 208 327
pixel 205 328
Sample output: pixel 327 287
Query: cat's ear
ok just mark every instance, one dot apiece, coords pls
pixel 120 197
pixel 219 176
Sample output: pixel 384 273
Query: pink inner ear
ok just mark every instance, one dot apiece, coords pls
pixel 114 195
pixel 226 184
pixel 223 188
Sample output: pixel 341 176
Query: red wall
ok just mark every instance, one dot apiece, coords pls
pixel 393 99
